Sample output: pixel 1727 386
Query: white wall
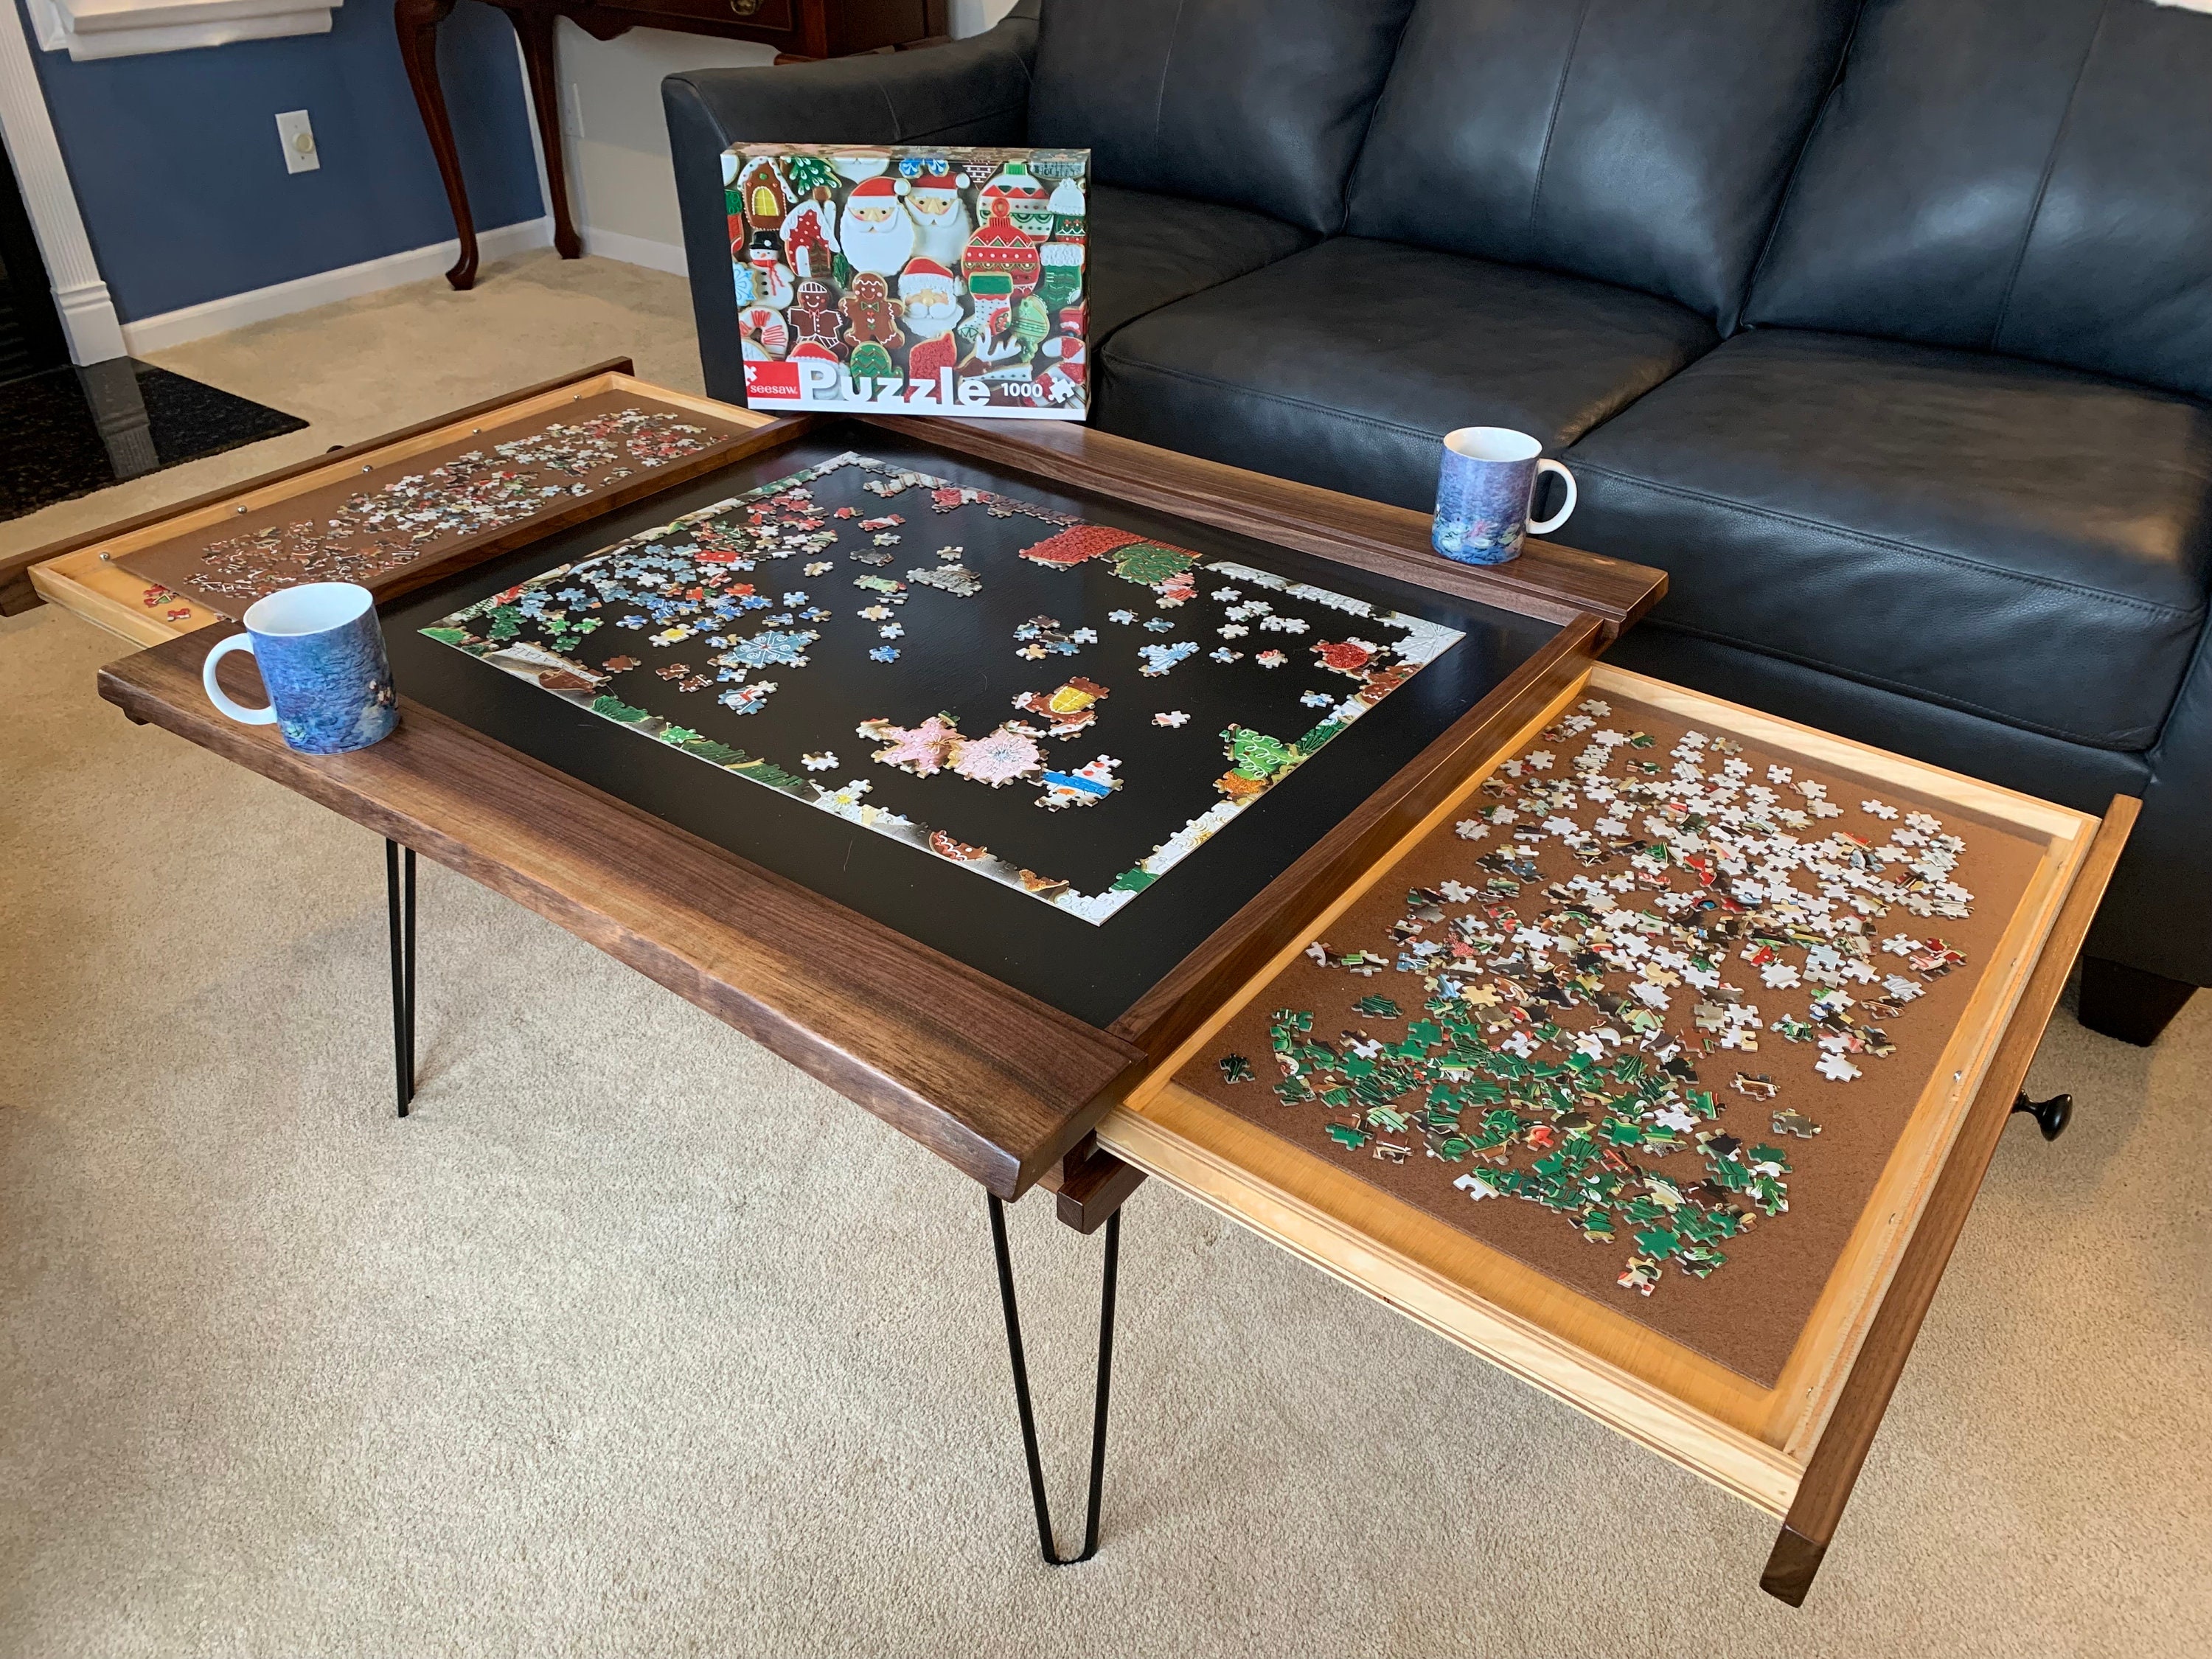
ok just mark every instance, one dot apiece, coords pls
pixel 617 147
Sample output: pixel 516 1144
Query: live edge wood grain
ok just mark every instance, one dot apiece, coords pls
pixel 17 594
pixel 1833 1468
pixel 1550 581
pixel 997 1083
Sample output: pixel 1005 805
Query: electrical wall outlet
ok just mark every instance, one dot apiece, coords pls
pixel 572 110
pixel 295 133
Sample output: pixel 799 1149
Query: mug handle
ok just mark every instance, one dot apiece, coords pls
pixel 237 711
pixel 1535 529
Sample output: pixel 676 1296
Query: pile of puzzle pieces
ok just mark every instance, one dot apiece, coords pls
pixel 1571 1035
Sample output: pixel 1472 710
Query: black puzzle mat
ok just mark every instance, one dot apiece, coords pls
pixel 964 694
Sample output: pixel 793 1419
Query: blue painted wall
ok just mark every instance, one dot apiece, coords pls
pixel 181 180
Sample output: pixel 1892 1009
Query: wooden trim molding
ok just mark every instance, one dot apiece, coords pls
pixel 88 311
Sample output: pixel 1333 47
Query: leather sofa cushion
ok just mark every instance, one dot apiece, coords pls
pixel 1345 365
pixel 1258 103
pixel 2033 177
pixel 1644 142
pixel 2023 542
pixel 1147 251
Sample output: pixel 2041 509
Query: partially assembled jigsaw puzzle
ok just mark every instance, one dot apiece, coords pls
pixel 856 630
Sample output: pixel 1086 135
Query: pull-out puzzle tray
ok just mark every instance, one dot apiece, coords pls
pixel 1634 1067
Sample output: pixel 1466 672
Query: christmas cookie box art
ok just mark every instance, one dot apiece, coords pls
pixel 932 281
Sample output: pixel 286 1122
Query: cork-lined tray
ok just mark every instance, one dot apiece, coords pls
pixel 133 579
pixel 1514 1283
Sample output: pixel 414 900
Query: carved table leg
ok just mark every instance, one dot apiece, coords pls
pixel 416 21
pixel 534 24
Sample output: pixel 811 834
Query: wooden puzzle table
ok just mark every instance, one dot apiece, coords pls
pixel 1059 1030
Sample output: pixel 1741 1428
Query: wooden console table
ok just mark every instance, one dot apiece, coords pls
pixel 800 29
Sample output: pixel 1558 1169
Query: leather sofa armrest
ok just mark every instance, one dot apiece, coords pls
pixel 972 92
pixel 2157 914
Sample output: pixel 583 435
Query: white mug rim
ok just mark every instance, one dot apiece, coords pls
pixel 267 615
pixel 1492 443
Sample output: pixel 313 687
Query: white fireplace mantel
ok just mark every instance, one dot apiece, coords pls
pixel 86 312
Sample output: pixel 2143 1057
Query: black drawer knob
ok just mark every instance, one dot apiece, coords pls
pixel 2051 1115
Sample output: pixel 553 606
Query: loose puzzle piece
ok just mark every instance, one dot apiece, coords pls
pixel 378 530
pixel 1068 707
pixel 1084 787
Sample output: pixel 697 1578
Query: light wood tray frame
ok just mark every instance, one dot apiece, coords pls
pixel 90 581
pixel 1750 1441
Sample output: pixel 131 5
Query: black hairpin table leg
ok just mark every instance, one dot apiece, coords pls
pixel 1022 1387
pixel 399 903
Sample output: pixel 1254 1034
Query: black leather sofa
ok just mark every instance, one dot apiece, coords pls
pixel 1885 328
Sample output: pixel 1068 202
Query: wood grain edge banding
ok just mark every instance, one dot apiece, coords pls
pixel 133 624
pixel 14 565
pixel 1863 1273
pixel 1833 1469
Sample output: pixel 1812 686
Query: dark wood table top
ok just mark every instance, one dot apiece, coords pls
pixel 996 1081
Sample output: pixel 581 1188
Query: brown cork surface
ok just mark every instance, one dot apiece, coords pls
pixel 380 560
pixel 1748 1313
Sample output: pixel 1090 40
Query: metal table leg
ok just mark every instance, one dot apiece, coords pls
pixel 399 903
pixel 1045 1542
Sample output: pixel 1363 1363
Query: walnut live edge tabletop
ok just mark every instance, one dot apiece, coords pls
pixel 1002 1084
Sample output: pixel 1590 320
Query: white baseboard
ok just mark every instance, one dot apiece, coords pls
pixel 634 250
pixel 174 328
pixel 88 319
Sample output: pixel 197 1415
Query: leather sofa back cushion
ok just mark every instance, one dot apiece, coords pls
pixel 2031 177
pixel 1642 143
pixel 1255 103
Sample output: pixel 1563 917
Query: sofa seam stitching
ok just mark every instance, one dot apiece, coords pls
pixel 1367 130
pixel 2147 606
pixel 2050 165
pixel 1167 62
pixel 1552 123
pixel 1796 172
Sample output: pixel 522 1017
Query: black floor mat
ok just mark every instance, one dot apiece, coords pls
pixel 71 431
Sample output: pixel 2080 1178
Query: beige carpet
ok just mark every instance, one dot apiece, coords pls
pixel 633 1340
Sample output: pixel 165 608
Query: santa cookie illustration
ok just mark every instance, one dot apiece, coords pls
pixel 871 313
pixel 928 302
pixel 941 224
pixel 875 235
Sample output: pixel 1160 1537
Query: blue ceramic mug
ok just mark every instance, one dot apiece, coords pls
pixel 1484 491
pixel 321 655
